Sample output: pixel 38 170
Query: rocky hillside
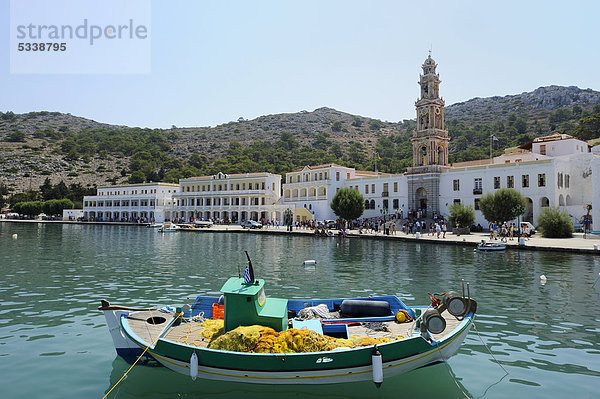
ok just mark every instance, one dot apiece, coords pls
pixel 40 145
pixel 537 104
pixel 304 126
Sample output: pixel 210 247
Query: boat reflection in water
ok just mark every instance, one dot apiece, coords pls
pixel 149 379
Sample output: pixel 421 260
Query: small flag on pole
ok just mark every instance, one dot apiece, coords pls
pixel 494 138
pixel 247 278
pixel 378 157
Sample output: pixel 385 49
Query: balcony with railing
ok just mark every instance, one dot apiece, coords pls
pixel 477 191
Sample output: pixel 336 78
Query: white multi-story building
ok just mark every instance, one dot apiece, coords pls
pixel 235 197
pixel 143 202
pixel 544 180
pixel 313 188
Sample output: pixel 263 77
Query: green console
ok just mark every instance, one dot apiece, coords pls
pixel 246 304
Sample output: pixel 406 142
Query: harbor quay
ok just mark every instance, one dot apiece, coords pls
pixel 589 244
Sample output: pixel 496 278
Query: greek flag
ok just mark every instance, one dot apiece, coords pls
pixel 247 278
pixel 494 138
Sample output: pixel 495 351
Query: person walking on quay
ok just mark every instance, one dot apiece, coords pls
pixel 586 227
pixel 491 227
pixel 444 230
pixel 511 231
pixel 503 233
pixel 438 229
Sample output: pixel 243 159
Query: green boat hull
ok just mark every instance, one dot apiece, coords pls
pixel 337 366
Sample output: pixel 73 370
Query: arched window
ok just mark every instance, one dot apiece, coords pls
pixel 366 204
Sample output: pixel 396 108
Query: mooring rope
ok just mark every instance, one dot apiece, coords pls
pixel 177 315
pixel 489 350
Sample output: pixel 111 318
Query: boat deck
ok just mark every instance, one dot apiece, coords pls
pixel 149 325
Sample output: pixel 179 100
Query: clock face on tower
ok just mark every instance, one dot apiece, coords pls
pixel 424 111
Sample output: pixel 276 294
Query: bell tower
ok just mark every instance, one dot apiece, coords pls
pixel 429 144
pixel 430 139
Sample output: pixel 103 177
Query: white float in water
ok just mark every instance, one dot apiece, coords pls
pixel 14 236
pixel 543 277
pixel 310 262
pixel 194 366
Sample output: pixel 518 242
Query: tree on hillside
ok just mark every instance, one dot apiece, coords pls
pixel 337 126
pixel 348 204
pixel 16 136
pixel 589 127
pixel 46 189
pixel 30 195
pixel 137 177
pixel 3 192
pixel 503 205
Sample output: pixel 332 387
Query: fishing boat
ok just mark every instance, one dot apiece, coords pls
pixel 155 225
pixel 491 246
pixel 265 340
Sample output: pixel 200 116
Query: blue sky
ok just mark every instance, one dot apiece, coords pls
pixel 212 62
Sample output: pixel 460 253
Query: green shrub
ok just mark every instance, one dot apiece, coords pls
pixel 348 204
pixel 554 223
pixel 16 136
pixel 461 214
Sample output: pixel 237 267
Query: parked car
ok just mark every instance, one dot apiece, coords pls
pixel 251 224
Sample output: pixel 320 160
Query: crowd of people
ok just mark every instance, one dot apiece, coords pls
pixel 506 232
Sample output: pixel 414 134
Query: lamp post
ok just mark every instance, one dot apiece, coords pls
pixel 518 209
pixel 288 219
pixel 384 211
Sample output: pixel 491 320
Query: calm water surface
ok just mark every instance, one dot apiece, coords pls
pixel 54 343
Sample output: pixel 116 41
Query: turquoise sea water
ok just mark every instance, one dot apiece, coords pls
pixel 55 344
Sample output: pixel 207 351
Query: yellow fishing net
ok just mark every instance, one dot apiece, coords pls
pixel 212 328
pixel 260 339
